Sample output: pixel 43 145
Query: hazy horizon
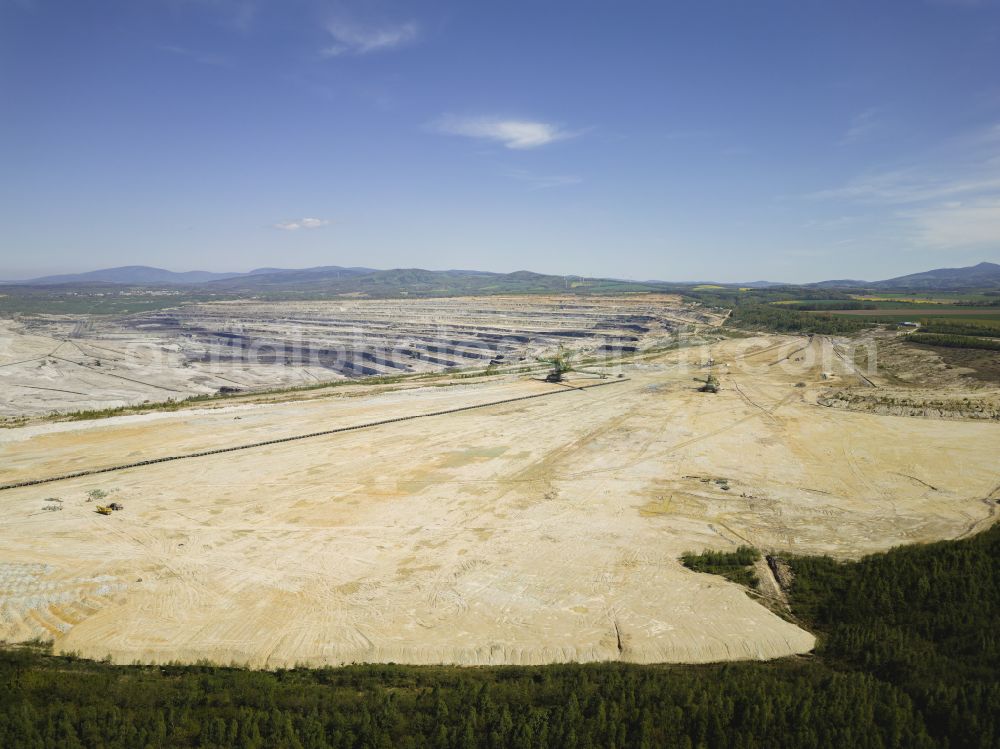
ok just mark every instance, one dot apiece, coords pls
pixel 721 141
pixel 706 279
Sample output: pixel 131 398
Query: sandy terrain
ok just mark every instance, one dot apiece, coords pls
pixel 918 381
pixel 539 531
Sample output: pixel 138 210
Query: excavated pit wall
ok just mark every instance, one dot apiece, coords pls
pixel 54 363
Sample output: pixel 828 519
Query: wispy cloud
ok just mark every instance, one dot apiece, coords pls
pixel 806 252
pixel 542 182
pixel 862 126
pixel 909 186
pixel 301 223
pixel 242 13
pixel 238 15
pixel 974 223
pixel 688 134
pixel 199 57
pixel 353 39
pixel 830 224
pixel 950 200
pixel 514 134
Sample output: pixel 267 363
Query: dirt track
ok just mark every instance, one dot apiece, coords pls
pixel 536 531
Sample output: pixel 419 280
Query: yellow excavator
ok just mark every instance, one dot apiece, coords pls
pixel 108 509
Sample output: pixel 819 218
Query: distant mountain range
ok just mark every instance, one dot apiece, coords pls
pixel 335 280
pixel 129 274
pixel 371 282
pixel 144 275
pixel 974 276
pixel 983 275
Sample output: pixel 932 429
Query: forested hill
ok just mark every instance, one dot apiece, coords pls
pixel 909 656
pixel 417 282
pixel 982 275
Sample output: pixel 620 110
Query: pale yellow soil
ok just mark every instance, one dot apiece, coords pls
pixel 917 381
pixel 540 531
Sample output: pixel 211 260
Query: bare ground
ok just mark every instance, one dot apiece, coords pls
pixel 541 531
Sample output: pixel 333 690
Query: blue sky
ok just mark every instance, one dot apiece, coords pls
pixel 712 139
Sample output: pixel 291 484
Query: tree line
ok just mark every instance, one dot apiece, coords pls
pixel 953 341
pixel 781 319
pixel 987 328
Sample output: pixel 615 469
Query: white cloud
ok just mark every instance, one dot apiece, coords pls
pixel 301 223
pixel 514 134
pixel 352 39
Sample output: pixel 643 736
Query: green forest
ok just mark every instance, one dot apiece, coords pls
pixel 733 565
pixel 954 341
pixel 987 328
pixel 909 656
pixel 831 305
pixel 783 319
pixel 785 309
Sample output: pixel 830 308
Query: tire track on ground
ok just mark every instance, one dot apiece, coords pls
pixel 120 377
pixel 249 446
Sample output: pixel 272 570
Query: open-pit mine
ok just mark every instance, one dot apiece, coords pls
pixel 468 512
pixel 69 363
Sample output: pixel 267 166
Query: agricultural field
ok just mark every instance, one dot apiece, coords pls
pixel 937 297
